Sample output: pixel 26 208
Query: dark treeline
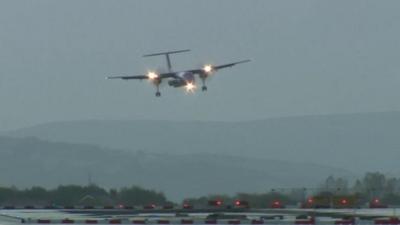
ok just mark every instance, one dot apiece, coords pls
pixel 371 186
pixel 73 195
pixel 257 200
pixel 364 190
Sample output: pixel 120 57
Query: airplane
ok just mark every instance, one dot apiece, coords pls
pixel 177 79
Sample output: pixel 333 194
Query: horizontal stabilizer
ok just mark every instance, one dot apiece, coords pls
pixel 166 53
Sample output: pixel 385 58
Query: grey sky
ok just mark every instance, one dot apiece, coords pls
pixel 309 57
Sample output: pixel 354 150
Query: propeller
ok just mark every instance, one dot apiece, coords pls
pixel 208 71
pixel 208 68
pixel 190 87
pixel 153 77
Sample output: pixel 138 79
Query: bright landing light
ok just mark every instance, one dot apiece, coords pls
pixel 190 87
pixel 207 68
pixel 152 75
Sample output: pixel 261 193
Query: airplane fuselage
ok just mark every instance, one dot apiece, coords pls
pixel 182 79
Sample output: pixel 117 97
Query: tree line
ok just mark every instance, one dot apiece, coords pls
pixel 75 195
pixel 370 186
pixel 373 185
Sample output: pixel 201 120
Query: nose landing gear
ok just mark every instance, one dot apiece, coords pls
pixel 204 88
pixel 158 94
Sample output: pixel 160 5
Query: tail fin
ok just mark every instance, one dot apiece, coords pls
pixel 167 56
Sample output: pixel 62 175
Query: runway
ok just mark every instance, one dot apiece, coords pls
pixel 206 216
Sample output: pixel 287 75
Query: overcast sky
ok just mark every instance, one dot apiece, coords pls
pixel 308 57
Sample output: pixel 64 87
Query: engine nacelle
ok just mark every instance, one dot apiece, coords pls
pixel 177 83
pixel 203 75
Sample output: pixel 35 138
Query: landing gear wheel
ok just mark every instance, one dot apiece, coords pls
pixel 204 88
pixel 158 94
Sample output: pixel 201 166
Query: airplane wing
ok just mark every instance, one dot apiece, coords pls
pixel 137 77
pixel 143 77
pixel 229 64
pixel 215 68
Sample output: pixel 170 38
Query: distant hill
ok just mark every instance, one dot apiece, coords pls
pixel 29 161
pixel 357 142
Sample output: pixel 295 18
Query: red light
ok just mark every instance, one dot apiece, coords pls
pixel 344 201
pixel 187 206
pixel 120 206
pixel 216 203
pixel 151 206
pixel 310 200
pixel 276 204
pixel 376 201
pixel 241 203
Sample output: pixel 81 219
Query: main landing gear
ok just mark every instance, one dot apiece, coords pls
pixel 158 94
pixel 203 81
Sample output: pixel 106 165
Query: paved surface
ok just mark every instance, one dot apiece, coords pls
pixel 242 216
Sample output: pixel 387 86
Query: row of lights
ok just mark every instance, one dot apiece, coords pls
pixel 236 203
pixel 343 201
pixel 275 204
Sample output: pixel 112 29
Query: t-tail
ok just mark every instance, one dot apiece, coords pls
pixel 167 57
